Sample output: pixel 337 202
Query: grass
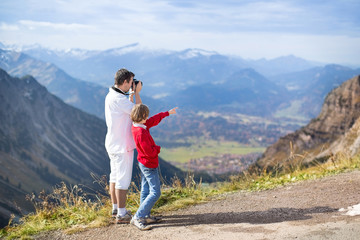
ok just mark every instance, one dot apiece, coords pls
pixel 291 113
pixel 67 208
pixel 70 210
pixel 206 148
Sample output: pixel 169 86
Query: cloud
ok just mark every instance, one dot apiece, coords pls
pixel 249 28
pixel 8 27
pixel 195 16
pixel 56 26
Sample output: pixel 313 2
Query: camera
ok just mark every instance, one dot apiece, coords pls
pixel 137 81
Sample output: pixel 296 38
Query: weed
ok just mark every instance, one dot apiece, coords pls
pixel 64 208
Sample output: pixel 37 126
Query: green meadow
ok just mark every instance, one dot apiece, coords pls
pixel 206 148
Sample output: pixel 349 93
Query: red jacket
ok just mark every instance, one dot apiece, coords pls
pixel 145 145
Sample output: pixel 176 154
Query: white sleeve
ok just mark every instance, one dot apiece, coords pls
pixel 127 105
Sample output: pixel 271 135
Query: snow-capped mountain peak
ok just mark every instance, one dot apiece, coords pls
pixel 196 52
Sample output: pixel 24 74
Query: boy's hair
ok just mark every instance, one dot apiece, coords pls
pixel 123 75
pixel 139 112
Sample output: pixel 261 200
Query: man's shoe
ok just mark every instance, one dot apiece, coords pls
pixel 114 213
pixel 124 219
pixel 152 219
pixel 140 224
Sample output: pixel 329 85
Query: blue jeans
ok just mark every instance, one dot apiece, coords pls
pixel 150 190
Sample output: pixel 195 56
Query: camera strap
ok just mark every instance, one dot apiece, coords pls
pixel 119 91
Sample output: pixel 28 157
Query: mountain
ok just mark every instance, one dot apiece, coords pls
pixel 87 96
pixel 235 93
pixel 81 94
pixel 193 79
pixel 24 64
pixel 44 141
pixel 332 75
pixel 337 123
pixel 171 73
pixel 163 72
pixel 310 87
pixel 161 68
pixel 282 65
pixel 244 91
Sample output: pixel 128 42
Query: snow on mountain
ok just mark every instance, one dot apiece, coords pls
pixel 195 52
pixel 135 47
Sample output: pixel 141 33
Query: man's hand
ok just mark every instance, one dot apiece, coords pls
pixel 131 97
pixel 173 111
pixel 137 92
pixel 138 87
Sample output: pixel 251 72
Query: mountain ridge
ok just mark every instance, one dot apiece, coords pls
pixel 135 56
pixel 40 144
pixel 245 91
pixel 84 95
pixel 340 111
pixel 310 87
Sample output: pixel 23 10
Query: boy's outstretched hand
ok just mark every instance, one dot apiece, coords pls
pixel 173 111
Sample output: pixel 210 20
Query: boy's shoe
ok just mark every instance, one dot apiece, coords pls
pixel 140 224
pixel 114 213
pixel 125 219
pixel 152 219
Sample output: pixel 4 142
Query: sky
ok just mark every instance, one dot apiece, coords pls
pixel 327 31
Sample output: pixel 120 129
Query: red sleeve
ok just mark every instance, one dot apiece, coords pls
pixel 147 148
pixel 156 119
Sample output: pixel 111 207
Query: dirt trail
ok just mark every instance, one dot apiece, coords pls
pixel 305 210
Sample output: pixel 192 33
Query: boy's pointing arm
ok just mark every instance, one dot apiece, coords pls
pixel 156 119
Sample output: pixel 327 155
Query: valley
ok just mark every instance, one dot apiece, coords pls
pixel 211 136
pixel 212 157
pixel 209 148
pixel 221 164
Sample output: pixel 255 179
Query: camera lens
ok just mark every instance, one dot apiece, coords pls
pixel 137 81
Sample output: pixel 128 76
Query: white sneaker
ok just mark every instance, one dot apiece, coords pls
pixel 140 224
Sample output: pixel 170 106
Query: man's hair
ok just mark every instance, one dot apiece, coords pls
pixel 123 75
pixel 139 112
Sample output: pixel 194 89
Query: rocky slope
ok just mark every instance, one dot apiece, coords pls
pixel 44 141
pixel 335 129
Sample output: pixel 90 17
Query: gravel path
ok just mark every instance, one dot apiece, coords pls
pixel 305 210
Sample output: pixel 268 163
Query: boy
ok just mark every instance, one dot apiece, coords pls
pixel 148 159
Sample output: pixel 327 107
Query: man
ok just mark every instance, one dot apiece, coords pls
pixel 119 142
